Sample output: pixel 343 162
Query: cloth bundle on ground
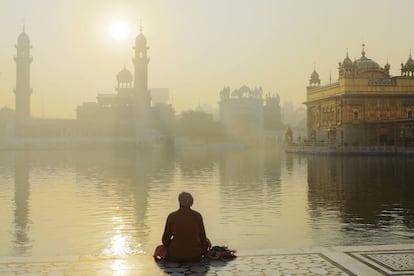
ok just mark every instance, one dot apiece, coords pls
pixel 220 253
pixel 214 253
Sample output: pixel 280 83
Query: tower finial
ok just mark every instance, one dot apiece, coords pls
pixel 347 52
pixel 140 25
pixel 363 49
pixel 410 52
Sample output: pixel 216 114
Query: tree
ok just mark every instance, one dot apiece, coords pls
pixel 199 126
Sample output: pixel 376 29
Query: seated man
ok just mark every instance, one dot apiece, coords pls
pixel 184 234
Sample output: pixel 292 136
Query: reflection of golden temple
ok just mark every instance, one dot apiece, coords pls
pixel 361 188
pixel 366 106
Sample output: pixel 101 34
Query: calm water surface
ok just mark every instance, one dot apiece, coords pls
pixel 115 201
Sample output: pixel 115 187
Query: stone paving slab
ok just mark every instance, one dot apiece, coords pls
pixel 389 262
pixel 351 260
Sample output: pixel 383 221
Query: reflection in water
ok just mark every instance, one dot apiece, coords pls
pixel 196 163
pixel 115 201
pixel 21 201
pixel 119 267
pixel 369 193
pixel 121 243
pixel 250 197
pixel 124 183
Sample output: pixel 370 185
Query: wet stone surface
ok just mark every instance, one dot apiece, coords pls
pixel 325 262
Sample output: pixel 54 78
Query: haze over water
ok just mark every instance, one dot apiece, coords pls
pixel 196 47
pixel 115 201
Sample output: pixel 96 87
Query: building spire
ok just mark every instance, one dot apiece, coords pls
pixel 363 49
pixel 410 52
pixel 347 53
pixel 140 26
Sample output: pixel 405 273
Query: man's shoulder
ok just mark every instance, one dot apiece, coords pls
pixel 180 212
pixel 172 214
pixel 195 213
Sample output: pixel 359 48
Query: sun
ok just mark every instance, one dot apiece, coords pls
pixel 119 30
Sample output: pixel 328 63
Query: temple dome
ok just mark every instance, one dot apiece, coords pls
pixel 124 76
pixel 366 64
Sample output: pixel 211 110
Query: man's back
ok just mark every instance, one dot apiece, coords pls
pixel 184 234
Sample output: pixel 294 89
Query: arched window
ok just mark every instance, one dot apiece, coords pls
pixel 410 114
pixel 355 115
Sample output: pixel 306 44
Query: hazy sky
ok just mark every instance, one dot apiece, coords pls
pixel 196 47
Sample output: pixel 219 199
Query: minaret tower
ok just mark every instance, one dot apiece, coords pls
pixel 141 61
pixel 23 60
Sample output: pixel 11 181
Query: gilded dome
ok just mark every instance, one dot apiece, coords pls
pixel 366 64
pixel 124 76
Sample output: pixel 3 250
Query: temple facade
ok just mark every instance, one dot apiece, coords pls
pixel 366 106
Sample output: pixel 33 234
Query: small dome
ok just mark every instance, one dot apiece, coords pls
pixel 314 79
pixel 23 39
pixel 409 65
pixel 124 76
pixel 314 75
pixel 141 40
pixel 347 61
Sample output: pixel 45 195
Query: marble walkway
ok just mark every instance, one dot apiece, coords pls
pixel 347 260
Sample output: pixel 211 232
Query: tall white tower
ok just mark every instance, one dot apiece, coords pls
pixel 23 91
pixel 141 60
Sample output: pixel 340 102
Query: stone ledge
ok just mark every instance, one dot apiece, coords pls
pixel 339 260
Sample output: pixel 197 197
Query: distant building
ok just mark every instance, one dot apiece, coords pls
pixel 247 118
pixel 272 113
pixel 129 112
pixel 366 106
pixel 125 116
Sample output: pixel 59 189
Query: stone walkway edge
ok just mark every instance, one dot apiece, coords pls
pixel 396 259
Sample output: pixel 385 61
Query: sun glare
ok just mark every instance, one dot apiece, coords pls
pixel 119 30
